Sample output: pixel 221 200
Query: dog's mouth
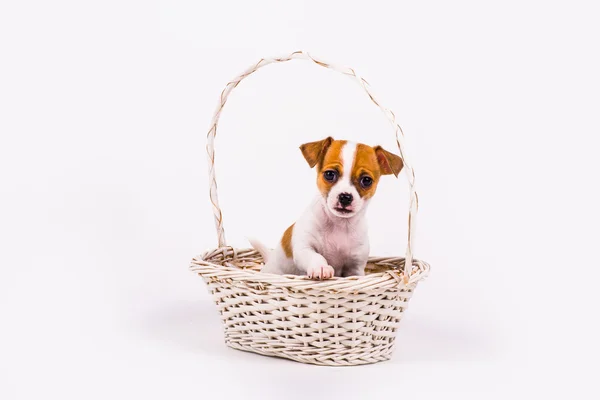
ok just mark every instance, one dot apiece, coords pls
pixel 342 210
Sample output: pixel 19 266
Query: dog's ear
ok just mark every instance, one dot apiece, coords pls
pixel 314 152
pixel 389 163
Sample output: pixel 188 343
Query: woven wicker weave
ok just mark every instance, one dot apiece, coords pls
pixel 341 321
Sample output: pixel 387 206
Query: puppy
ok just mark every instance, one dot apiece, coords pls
pixel 330 238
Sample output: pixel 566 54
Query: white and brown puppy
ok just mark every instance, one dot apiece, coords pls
pixel 330 238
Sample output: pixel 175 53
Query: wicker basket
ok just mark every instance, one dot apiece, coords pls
pixel 341 321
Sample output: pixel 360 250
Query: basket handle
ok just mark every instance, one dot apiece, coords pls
pixel 210 146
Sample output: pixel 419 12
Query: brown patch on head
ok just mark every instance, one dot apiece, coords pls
pixel 365 165
pixel 371 163
pixel 286 241
pixel 332 161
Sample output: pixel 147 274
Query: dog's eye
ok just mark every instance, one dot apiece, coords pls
pixel 366 181
pixel 330 175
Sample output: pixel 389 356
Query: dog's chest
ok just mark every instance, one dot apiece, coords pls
pixel 340 246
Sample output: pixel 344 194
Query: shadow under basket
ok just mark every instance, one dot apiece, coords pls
pixel 341 321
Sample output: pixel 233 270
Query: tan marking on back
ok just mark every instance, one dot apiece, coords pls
pixel 286 241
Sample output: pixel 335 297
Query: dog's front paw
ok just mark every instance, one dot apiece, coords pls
pixel 320 272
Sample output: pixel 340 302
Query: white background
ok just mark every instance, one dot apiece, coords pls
pixel 104 109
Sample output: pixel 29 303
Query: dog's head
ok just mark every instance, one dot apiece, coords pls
pixel 348 172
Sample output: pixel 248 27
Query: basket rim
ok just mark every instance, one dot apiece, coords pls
pixel 392 278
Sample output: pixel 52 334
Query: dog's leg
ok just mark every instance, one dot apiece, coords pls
pixel 354 269
pixel 313 264
pixel 357 259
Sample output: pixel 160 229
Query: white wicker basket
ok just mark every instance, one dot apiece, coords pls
pixel 341 321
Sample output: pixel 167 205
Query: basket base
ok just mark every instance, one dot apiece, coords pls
pixel 333 360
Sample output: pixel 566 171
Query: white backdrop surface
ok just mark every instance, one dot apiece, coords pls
pixel 104 108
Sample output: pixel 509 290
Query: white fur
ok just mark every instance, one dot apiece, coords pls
pixel 326 243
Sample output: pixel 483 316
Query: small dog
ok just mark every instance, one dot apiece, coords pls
pixel 330 238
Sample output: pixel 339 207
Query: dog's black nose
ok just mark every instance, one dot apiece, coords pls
pixel 345 199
